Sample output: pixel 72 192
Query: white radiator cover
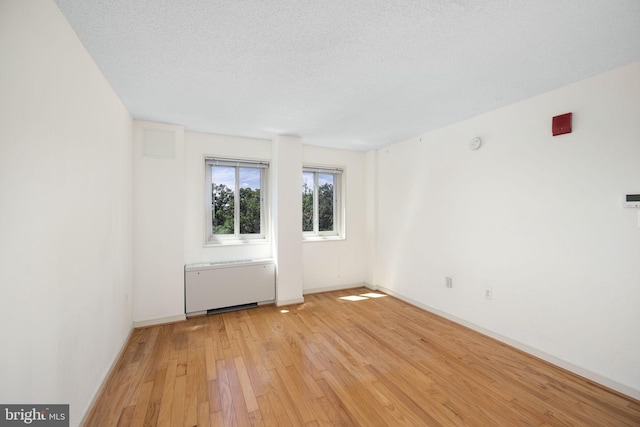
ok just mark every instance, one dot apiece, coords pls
pixel 211 286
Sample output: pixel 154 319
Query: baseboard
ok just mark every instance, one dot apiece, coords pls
pixel 159 321
pixel 335 288
pixel 563 364
pixel 280 303
pixel 105 378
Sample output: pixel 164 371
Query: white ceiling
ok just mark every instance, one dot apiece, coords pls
pixel 352 74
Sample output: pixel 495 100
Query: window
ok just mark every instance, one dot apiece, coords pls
pixel 235 200
pixel 321 202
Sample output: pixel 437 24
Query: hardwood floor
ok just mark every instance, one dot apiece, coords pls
pixel 332 361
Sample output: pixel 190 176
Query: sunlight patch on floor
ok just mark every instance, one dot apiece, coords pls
pixel 373 295
pixel 353 298
pixel 363 296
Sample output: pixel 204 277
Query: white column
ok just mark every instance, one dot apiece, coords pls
pixel 287 218
pixel 371 217
pixel 158 223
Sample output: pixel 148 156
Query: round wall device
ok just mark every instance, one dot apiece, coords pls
pixel 475 143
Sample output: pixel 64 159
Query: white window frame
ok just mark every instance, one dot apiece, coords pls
pixel 338 231
pixel 236 237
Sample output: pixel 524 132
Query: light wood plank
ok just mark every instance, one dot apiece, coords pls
pixel 224 393
pixel 141 405
pixel 166 404
pixel 177 411
pixel 330 361
pixel 210 358
pixel 245 385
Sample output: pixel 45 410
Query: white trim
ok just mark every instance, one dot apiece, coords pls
pixel 160 321
pixel 320 169
pixel 289 302
pixel 336 288
pixel 321 238
pixel 339 215
pixel 105 378
pixel 237 163
pixel 236 238
pixel 578 370
pixel 236 241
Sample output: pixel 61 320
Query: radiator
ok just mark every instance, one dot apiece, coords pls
pixel 225 285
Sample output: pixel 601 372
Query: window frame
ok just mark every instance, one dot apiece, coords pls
pixel 236 237
pixel 338 231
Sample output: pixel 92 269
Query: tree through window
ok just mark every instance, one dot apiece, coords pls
pixel 321 201
pixel 235 199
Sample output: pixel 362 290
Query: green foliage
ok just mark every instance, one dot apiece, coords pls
pixel 325 207
pixel 223 210
pixel 307 207
pixel 249 211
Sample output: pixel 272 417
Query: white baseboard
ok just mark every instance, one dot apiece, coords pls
pixel 106 376
pixel 159 321
pixel 335 288
pixel 280 303
pixel 578 370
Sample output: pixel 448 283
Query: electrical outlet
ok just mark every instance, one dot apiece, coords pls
pixel 488 293
pixel 448 282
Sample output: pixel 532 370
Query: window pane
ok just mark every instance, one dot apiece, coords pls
pixel 325 202
pixel 223 184
pixel 307 201
pixel 249 201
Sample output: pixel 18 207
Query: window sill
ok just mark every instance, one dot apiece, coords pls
pixel 322 238
pixel 235 242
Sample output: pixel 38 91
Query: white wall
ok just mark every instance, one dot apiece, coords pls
pixel 65 213
pixel 331 264
pixel 371 217
pixel 536 218
pixel 313 266
pixel 325 264
pixel 158 223
pixel 197 147
pixel 286 208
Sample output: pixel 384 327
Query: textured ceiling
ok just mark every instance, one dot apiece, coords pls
pixel 353 74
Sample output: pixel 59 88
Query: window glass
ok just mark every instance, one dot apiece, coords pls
pixel 223 184
pixel 236 200
pixel 307 201
pixel 249 201
pixel 325 202
pixel 321 211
